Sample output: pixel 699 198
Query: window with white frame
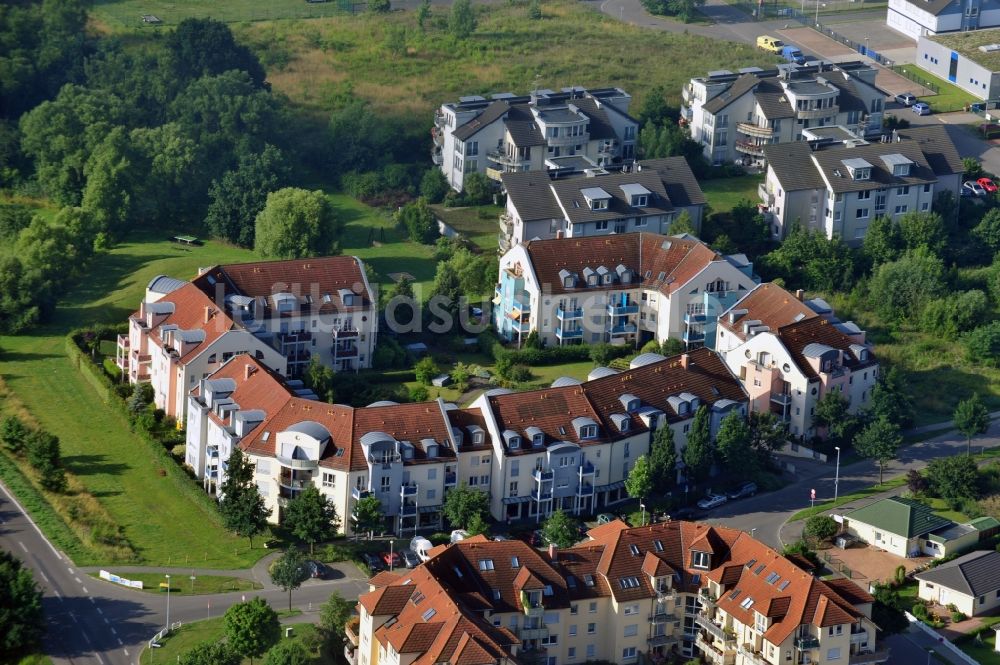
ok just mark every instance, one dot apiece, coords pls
pixel 329 480
pixel 628 653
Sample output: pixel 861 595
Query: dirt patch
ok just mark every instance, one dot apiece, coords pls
pixel 818 43
pixel 868 564
pixel 400 276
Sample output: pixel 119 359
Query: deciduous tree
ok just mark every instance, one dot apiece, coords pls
pixel 733 446
pixel 462 21
pixel 560 530
pixel 879 440
pixel 333 616
pixel 241 195
pixel 639 482
pixel 21 621
pixel 296 223
pixel 252 628
pixel 367 516
pixel 311 517
pixel 205 47
pixel 418 221
pixel 971 418
pixel 288 652
pixel 698 454
pixel 462 503
pixel 242 507
pixel 954 478
pixel 821 527
pixel 289 571
pixel 663 459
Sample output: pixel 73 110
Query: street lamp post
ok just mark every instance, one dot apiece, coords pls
pixel 836 477
pixel 193 578
pixel 930 652
pixel 643 506
pixel 168 603
pixel 391 555
pixel 817 13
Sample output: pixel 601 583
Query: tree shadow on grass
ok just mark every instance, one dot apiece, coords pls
pixel 937 391
pixel 18 356
pixel 89 465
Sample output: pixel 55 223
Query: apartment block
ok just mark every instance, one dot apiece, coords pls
pixel 921 18
pixel 735 115
pixel 508 133
pixel 575 441
pixel 570 447
pixel 838 185
pixel 578 201
pixel 788 353
pixel 285 313
pixel 623 289
pixel 623 595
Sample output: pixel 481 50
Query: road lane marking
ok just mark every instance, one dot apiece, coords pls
pixel 73 617
pixel 100 611
pixel 92 601
pixel 77 580
pixel 44 576
pixel 58 595
pixel 121 643
pixel 30 521
pixel 113 631
pixel 22 546
pixel 99 657
pixel 126 651
pixel 85 590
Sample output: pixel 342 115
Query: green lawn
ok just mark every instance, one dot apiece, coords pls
pixel 213 630
pixel 949 96
pixel 940 506
pixel 165 526
pixel 723 194
pixel 127 13
pixel 847 498
pixel 983 652
pixel 203 584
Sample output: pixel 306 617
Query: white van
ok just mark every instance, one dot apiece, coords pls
pixel 459 534
pixel 421 546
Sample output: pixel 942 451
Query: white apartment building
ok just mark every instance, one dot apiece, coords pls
pixel 575 443
pixel 624 289
pixel 573 203
pixel 920 18
pixel 507 133
pixel 789 353
pixel 839 186
pixel 283 312
pixel 734 115
pixel 570 447
pixel 623 595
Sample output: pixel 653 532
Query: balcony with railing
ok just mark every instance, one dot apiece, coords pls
pixel 812 114
pixel 567 314
pixel 342 350
pixel 537 633
pixel 717 631
pixel 662 640
pixel 407 509
pixel 622 309
pixel 859 636
pixel 450 479
pixel 783 399
pixel 707 600
pixel 751 656
pixel 586 469
pixel 607 148
pixel 869 658
pixel 358 493
pixel 515 163
pixel 569 333
pixel 694 335
pixel 661 614
pixel 751 129
pixel 622 329
pixel 766 197
pixel 350 654
pixel 385 460
pixel 695 317
pixel 806 642
pixel 521 325
pixel 585 489
pixel 344 333
pixel 542 476
pixel 712 653
pixel 749 148
pixel 351 630
pixel 407 491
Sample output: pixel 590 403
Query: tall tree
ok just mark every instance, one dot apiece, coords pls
pixel 698 451
pixel 418 221
pixel 954 478
pixel 734 447
pixel 462 21
pixel 288 652
pixel 883 241
pixel 242 507
pixel 296 223
pixel 639 482
pixel 891 398
pixel 831 413
pixel 311 517
pixel 44 455
pixel 289 571
pixel 768 433
pixel 462 503
pixel 560 530
pixel 923 229
pixel 205 47
pixel 905 285
pixel 971 418
pixel 241 194
pixel 252 628
pixel 333 616
pixel 110 192
pixel 211 653
pixel 879 440
pixel 663 459
pixel 21 621
pixel 367 515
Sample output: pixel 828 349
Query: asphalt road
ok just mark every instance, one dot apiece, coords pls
pixel 90 621
pixel 766 513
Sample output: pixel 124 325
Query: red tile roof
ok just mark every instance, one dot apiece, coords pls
pixel 193 310
pixel 259 388
pixel 770 304
pixel 652 254
pixel 797 336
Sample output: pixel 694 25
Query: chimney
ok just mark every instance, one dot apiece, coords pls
pixel 685 360
pixel 248 371
pixel 799 294
pixel 553 552
pixel 208 313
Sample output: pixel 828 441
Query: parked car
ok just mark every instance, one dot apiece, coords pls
pixel 793 54
pixel 743 491
pixel 973 187
pixel 712 501
pixel 906 99
pixel 392 559
pixel 459 534
pixel 988 128
pixel 604 518
pixel 535 539
pixel 921 108
pixel 684 513
pixel 421 546
pixel 410 559
pixel 318 570
pixel 372 561
pixel 272 544
pixel 988 185
pixel 500 537
pixel 769 43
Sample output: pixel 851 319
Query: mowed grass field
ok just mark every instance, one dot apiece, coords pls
pixel 723 194
pixel 129 13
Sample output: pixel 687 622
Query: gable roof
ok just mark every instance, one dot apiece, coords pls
pixel 903 517
pixel 937 146
pixel 193 312
pixel 975 574
pixel 770 305
pixel 741 86
pixel 808 335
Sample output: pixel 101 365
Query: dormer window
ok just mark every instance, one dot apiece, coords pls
pixel 636 195
pixel 538 440
pixel 477 438
pixel 592 280
pixel 898 164
pixel 597 198
pixel 599 204
pixel 588 432
pixel 640 201
pixel 858 168
pixel 701 560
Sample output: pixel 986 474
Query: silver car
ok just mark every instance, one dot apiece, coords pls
pixel 712 501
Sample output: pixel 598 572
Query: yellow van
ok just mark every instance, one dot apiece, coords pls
pixel 769 43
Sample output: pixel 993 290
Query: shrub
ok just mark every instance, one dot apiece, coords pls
pixel 982 345
pixel 519 373
pixel 900 574
pixel 434 186
pixel 957 616
pixel 419 394
pixel 821 527
pixel 425 370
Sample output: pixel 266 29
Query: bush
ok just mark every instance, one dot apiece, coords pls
pixel 957 616
pixel 821 527
pixel 434 186
pixel 425 370
pixel 419 394
pixel 519 373
pixel 440 538
pixel 982 345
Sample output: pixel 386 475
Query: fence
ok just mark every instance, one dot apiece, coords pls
pixel 942 643
pixel 838 566
pixel 911 72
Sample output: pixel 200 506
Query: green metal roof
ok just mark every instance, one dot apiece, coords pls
pixel 984 523
pixel 903 517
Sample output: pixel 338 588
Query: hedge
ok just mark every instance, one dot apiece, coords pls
pixel 555 355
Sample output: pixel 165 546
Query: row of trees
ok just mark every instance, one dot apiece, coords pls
pixel 39 447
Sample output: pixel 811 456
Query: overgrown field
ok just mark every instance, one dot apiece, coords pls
pixel 401 69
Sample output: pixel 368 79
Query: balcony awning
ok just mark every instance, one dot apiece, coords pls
pixel 496 300
pixel 613 486
pixel 510 500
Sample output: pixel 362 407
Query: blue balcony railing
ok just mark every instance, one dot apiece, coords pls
pixel 571 333
pixel 619 309
pixel 564 314
pixel 542 476
pixel 695 318
pixel 694 336
pixel 623 329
